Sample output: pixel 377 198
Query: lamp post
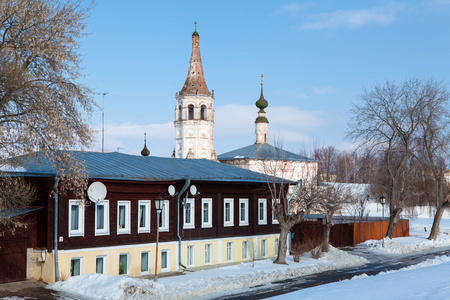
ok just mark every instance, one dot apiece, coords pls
pixel 159 204
pixel 383 202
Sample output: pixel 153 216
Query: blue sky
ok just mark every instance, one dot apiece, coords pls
pixel 316 58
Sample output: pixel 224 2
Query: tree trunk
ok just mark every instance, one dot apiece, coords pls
pixel 326 237
pixel 393 218
pixel 282 245
pixel 437 220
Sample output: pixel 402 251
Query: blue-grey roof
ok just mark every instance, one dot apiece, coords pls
pixel 16 211
pixel 262 151
pixel 116 165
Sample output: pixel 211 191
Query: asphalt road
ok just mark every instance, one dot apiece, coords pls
pixel 377 263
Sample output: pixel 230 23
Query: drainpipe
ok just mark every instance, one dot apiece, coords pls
pixel 186 185
pixel 55 227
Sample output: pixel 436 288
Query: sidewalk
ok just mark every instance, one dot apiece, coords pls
pixel 31 288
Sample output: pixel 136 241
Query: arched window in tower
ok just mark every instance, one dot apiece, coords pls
pixel 190 112
pixel 180 112
pixel 203 112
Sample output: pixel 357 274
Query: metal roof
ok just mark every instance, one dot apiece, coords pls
pixel 262 151
pixel 116 165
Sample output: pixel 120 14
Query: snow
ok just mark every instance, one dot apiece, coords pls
pixel 427 280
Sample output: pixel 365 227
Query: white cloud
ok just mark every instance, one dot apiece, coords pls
pixel 292 8
pixel 324 90
pixel 293 94
pixel 354 18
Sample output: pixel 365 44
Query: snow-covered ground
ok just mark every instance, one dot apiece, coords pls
pixel 428 280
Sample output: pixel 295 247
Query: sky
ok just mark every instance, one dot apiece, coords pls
pixel 316 57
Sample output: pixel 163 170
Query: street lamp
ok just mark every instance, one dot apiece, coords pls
pixel 383 202
pixel 159 204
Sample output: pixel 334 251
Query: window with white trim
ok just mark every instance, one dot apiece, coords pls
pixel 189 213
pixel 123 217
pixel 144 216
pixel 206 212
pixel 76 218
pixel 165 261
pixel 145 262
pixel 100 264
pixel 76 266
pixel 230 251
pixel 190 255
pixel 243 212
pixel 124 264
pixel 262 211
pixel 245 250
pixel 264 248
pixel 274 217
pixel 208 254
pixel 164 217
pixel 228 212
pixel 102 218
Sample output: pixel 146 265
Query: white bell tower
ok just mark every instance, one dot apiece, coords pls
pixel 194 111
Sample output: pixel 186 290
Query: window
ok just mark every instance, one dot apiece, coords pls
pixel 245 250
pixel 164 217
pixel 191 112
pixel 189 210
pixel 76 265
pixel 208 253
pixel 145 262
pixel 124 264
pixel 243 212
pixel 102 218
pixel 100 264
pixel 274 217
pixel 144 216
pixel 262 211
pixel 277 241
pixel 203 112
pixel 123 217
pixel 264 248
pixel 190 255
pixel 76 218
pixel 165 261
pixel 230 251
pixel 228 212
pixel 206 212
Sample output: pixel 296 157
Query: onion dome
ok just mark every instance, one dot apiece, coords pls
pixel 262 103
pixel 145 151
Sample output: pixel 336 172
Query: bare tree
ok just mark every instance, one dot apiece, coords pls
pixel 14 192
pixel 386 122
pixel 43 106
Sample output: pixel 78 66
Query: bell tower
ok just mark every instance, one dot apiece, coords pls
pixel 194 111
pixel 261 122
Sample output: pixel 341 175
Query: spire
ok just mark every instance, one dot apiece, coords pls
pixel 195 80
pixel 261 122
pixel 261 104
pixel 145 151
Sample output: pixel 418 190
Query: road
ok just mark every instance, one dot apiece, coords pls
pixel 377 263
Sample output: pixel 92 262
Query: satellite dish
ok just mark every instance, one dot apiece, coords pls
pixel 193 190
pixel 171 190
pixel 97 192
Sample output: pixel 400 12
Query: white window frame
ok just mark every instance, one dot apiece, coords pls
pixel 245 250
pixel 164 217
pixel 274 217
pixel 230 251
pixel 245 221
pixel 105 263
pixel 208 202
pixel 231 221
pixel 81 265
pixel 105 230
pixel 262 220
pixel 126 229
pixel 208 254
pixel 264 248
pixel 149 255
pixel 80 230
pixel 167 269
pixel 190 257
pixel 127 271
pixel 147 210
pixel 190 202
